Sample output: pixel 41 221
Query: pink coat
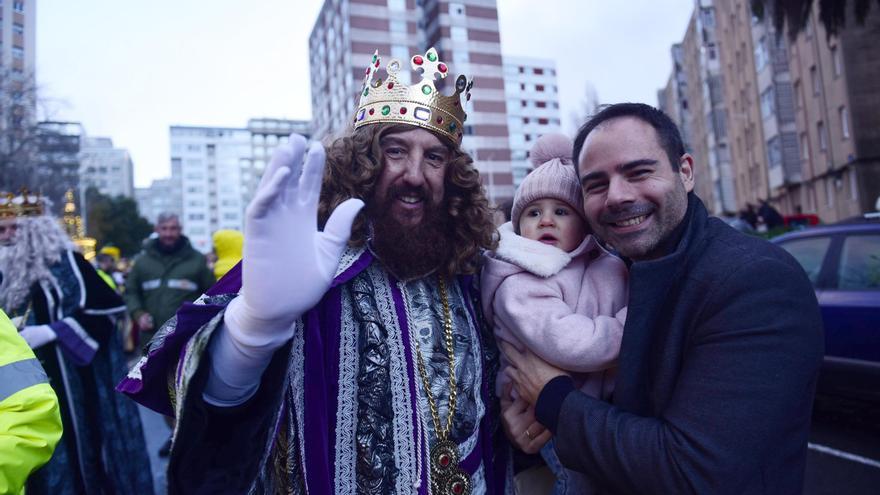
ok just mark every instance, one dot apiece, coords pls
pixel 568 308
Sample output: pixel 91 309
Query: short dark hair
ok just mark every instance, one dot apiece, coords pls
pixel 667 132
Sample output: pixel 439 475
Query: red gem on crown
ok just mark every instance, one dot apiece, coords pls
pixel 418 60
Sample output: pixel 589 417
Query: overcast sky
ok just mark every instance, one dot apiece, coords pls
pixel 130 69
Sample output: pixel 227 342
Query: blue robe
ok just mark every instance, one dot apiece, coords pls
pixel 102 449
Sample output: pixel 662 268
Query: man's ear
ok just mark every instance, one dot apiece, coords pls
pixel 686 171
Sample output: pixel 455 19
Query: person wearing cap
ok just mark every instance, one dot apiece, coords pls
pixel 354 358
pixel 67 314
pixel 551 288
pixel 30 424
pixel 228 244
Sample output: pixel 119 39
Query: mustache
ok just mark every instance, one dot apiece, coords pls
pixel 396 191
pixel 626 212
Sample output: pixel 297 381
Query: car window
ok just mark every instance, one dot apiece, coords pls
pixel 809 252
pixel 860 263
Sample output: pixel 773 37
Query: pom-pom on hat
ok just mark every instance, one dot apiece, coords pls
pixel 554 177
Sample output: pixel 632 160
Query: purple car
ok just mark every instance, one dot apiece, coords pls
pixel 843 263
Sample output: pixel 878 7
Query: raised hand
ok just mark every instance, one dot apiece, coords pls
pixel 288 264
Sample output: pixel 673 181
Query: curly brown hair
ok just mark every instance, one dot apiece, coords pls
pixel 352 171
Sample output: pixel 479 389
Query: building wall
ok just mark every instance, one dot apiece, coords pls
pixel 57 160
pixel 106 168
pixel 18 41
pixel 466 36
pixel 265 135
pixel 532 107
pixel 211 161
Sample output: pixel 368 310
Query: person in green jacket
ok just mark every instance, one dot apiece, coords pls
pixel 167 273
pixel 30 422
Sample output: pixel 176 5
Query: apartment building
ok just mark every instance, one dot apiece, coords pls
pixel 532 107
pixel 105 167
pixel 466 36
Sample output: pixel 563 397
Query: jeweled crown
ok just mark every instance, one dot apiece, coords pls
pixel 25 205
pixel 419 104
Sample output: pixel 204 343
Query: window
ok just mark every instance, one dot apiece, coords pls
pixel 18 7
pixel 541 104
pixel 539 87
pixel 17 28
pixel 522 69
pixel 522 87
pixel 398 26
pixel 761 56
pixel 853 185
pixel 401 5
pixel 774 152
pixel 844 122
pixel 836 62
pixel 814 78
pixel 543 121
pixel 829 192
pixel 537 71
pixel 797 95
pixel 805 146
pixel 17 52
pixel 860 263
pixel 810 253
pixel 525 120
pixel 823 140
pixel 456 9
pixel 768 106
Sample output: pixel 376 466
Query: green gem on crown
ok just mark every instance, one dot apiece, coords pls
pixel 386 110
pixel 366 90
pixel 374 58
pixel 426 89
pixel 432 56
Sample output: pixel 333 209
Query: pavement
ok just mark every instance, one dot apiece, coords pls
pixel 155 433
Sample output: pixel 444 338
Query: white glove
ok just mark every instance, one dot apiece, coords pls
pixel 287 267
pixel 38 335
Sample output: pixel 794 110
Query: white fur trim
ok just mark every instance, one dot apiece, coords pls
pixel 535 257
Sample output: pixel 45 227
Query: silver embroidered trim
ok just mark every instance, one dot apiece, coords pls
pixel 346 401
pixel 477 358
pixel 297 390
pixel 349 256
pixel 405 456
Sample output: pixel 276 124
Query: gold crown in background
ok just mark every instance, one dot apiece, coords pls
pixel 419 104
pixel 25 205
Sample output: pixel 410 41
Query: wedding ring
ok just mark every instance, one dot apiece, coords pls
pixel 528 434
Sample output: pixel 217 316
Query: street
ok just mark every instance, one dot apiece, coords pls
pixel 844 455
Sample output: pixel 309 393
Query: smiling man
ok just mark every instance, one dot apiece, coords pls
pixel 721 346
pixel 352 359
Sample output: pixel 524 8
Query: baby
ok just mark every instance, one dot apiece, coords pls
pixel 550 287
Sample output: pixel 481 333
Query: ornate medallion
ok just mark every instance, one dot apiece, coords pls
pixel 447 478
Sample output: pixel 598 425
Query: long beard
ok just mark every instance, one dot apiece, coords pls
pixel 410 252
pixel 38 244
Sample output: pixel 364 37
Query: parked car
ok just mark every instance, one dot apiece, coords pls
pixel 843 262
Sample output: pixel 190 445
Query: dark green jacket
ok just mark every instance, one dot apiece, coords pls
pixel 159 283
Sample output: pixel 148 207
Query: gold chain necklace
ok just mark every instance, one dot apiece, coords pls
pixel 446 475
pixel 24 317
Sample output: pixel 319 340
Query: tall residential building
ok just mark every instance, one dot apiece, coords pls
pixel 837 108
pixel 105 168
pixel 56 169
pixel 214 164
pixel 532 107
pixel 214 174
pixel 465 34
pixel 163 195
pixel 802 117
pixel 18 34
pixel 266 133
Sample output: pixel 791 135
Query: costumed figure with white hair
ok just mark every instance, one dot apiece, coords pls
pixel 66 313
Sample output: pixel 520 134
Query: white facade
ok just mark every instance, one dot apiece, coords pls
pixel 106 168
pixel 532 107
pixel 213 164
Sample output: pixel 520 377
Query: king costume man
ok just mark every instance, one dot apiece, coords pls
pixel 353 359
pixel 67 314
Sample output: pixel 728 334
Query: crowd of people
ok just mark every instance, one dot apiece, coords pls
pixel 382 334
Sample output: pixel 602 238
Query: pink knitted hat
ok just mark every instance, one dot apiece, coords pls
pixel 554 177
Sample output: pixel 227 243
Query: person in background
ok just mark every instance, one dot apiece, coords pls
pixel 30 422
pixel 105 267
pixel 228 245
pixel 67 315
pixel 167 273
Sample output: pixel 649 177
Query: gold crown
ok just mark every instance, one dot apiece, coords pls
pixel 419 104
pixel 25 205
